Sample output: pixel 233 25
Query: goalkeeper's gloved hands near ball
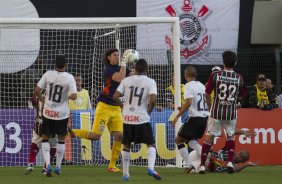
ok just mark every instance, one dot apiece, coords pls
pixel 129 56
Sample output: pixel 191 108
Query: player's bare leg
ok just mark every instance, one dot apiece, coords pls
pixel 151 162
pixel 86 134
pixel 125 162
pixel 46 154
pixel 115 151
pixel 184 153
pixel 205 151
pixel 60 153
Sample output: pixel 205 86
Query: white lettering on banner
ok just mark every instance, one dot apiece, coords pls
pixel 13 137
pixel 264 132
pixel 244 139
pixel 280 136
pixel 2 138
pixel 263 136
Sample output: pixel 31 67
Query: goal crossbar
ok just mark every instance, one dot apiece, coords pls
pixel 47 23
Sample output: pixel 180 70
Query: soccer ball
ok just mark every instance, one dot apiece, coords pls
pixel 131 55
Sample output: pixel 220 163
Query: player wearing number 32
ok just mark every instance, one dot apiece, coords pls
pixel 228 86
pixel 58 85
pixel 140 93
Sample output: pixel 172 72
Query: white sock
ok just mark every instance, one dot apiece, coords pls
pixel 60 152
pixel 46 152
pixel 151 157
pixel 125 161
pixel 185 155
pixel 195 146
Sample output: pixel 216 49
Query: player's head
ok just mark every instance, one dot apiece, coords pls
pixel 216 68
pixel 61 62
pixel 112 57
pixel 190 73
pixel 229 59
pixel 261 80
pixel 241 156
pixel 78 81
pixel 141 66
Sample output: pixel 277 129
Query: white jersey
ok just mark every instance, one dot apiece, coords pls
pixel 136 90
pixel 196 91
pixel 58 85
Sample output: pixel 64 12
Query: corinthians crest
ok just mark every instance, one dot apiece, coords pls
pixel 193 38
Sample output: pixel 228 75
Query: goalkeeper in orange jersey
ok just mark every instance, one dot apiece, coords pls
pixel 108 113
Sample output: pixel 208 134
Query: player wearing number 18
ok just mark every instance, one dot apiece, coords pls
pixel 228 86
pixel 58 84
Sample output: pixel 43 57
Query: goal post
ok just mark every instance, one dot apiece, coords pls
pixel 28 47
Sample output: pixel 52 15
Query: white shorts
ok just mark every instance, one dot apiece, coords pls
pixel 214 127
pixel 36 139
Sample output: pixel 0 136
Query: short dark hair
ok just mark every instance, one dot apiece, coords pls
pixel 108 53
pixel 60 61
pixel 229 58
pixel 141 66
pixel 191 71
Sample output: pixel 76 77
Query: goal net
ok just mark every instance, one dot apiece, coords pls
pixel 28 48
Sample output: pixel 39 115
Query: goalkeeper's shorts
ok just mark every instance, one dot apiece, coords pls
pixel 107 115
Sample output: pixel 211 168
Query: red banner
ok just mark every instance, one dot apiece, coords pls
pixel 266 147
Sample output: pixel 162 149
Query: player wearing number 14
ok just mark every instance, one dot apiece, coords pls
pixel 140 94
pixel 228 86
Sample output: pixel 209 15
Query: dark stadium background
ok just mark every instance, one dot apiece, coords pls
pixel 252 59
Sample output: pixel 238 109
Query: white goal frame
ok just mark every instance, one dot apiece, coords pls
pixel 28 22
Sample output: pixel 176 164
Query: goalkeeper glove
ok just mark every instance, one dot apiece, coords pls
pixel 125 57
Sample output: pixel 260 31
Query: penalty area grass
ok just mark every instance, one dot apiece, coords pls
pixel 98 174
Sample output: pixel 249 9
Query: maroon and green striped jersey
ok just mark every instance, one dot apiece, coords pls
pixel 227 86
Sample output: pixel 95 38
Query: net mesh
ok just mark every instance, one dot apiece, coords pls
pixel 29 50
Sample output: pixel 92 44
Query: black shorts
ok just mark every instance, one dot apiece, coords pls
pixel 193 128
pixel 138 134
pixel 52 127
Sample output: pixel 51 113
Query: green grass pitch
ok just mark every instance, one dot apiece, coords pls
pixel 98 174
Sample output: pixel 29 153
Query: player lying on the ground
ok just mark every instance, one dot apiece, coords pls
pixel 217 161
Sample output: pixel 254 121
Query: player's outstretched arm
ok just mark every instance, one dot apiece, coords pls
pixel 182 110
pixel 37 92
pixel 240 167
pixel 248 133
pixel 119 76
